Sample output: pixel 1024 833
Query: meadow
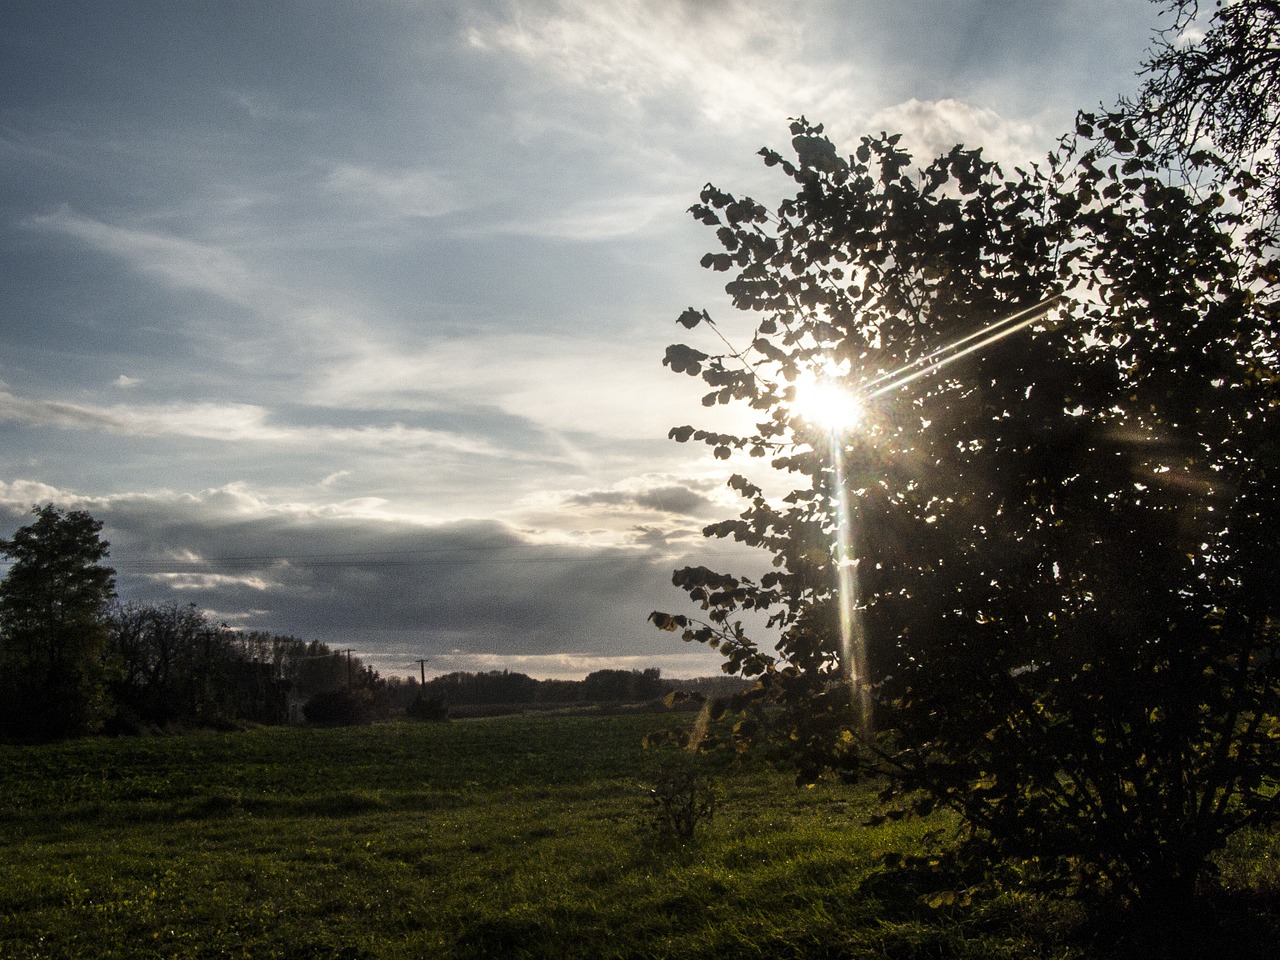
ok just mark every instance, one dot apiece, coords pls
pixel 506 837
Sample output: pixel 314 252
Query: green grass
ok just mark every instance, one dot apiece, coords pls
pixel 514 837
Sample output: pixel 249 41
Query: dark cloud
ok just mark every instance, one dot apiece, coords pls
pixel 432 271
pixel 478 587
pixel 673 499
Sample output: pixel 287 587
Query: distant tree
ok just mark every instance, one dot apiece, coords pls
pixel 559 691
pixel 1066 544
pixel 53 629
pixel 1215 82
pixel 623 686
pixel 313 666
pixel 174 665
pixel 483 689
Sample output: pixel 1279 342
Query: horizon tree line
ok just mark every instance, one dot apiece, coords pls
pixel 75 659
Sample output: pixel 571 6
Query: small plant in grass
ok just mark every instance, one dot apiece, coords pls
pixel 680 797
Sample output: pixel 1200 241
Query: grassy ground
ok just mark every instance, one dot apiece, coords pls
pixel 513 837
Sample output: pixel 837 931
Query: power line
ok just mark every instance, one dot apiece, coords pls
pixel 212 563
pixel 407 558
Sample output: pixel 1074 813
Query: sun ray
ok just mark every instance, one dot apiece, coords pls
pixel 821 400
pixel 939 358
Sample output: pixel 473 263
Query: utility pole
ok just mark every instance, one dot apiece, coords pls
pixel 348 653
pixel 422 669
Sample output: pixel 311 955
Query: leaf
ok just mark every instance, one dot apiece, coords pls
pixel 682 358
pixel 691 318
pixel 817 153
pixel 667 621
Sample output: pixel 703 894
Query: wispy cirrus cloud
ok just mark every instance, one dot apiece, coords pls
pixel 229 423
pixel 177 261
pixel 408 192
pixel 287 321
pixel 572 384
pixel 601 218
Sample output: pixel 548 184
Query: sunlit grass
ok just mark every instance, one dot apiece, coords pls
pixel 500 838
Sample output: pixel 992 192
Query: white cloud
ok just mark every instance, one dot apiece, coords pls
pixel 334 478
pixel 124 381
pixel 736 62
pixel 229 423
pixel 931 128
pixel 421 192
pixel 744 66
pixel 180 262
pixel 616 388
pixel 211 581
pixel 603 218
pixel 18 496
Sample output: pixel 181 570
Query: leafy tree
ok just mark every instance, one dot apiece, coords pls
pixel 175 666
pixel 1217 83
pixel 53 631
pixel 493 687
pixel 622 685
pixel 1066 543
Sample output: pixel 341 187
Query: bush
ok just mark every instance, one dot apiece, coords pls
pixel 341 707
pixel 427 708
pixel 681 797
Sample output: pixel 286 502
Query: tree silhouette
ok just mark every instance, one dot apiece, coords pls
pixel 1066 542
pixel 53 631
pixel 1215 82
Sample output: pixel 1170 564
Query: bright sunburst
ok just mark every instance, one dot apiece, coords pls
pixel 822 401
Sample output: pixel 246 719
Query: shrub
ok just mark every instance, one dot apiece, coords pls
pixel 341 707
pixel 427 708
pixel 679 799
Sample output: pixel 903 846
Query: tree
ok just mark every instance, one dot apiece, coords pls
pixel 1218 85
pixel 53 631
pixel 173 665
pixel 631 686
pixel 1066 542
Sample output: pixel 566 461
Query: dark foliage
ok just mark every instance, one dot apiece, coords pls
pixel 341 707
pixel 53 634
pixel 172 666
pixel 1066 542
pixel 622 686
pixel 680 799
pixel 504 687
pixel 424 707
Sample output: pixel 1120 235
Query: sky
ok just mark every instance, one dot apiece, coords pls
pixel 347 319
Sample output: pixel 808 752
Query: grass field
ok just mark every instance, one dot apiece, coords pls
pixel 512 837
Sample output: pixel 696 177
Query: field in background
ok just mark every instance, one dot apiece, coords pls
pixel 511 837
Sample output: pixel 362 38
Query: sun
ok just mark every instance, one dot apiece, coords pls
pixel 821 400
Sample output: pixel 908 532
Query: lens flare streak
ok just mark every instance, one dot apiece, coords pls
pixel 932 362
pixel 853 642
pixel 852 633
